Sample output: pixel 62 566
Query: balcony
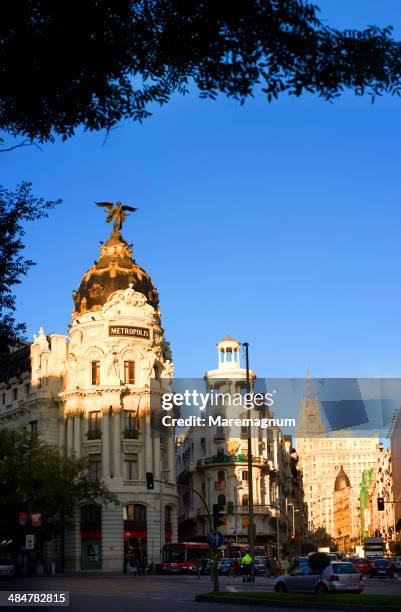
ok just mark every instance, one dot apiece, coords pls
pixel 220 484
pixel 134 483
pixel 221 458
pixel 94 435
pixel 219 437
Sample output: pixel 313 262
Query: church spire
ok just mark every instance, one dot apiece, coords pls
pixel 309 421
pixel 308 394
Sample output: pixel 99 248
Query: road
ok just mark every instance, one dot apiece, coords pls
pixel 103 592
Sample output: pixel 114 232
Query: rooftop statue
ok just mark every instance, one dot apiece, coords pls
pixel 116 214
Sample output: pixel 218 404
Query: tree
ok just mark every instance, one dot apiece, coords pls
pixel 319 561
pixel 16 208
pixel 35 475
pixel 92 64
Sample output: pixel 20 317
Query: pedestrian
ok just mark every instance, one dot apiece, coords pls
pixel 285 565
pixel 246 563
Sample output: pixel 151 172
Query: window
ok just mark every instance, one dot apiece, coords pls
pixel 34 427
pixel 273 493
pixel 245 500
pixel 129 372
pixel 90 515
pixel 15 394
pixel 134 512
pixel 3 398
pixel 167 518
pixel 221 500
pixel 27 388
pixel 95 466
pixel 130 424
pixel 244 475
pixel 94 431
pixel 221 475
pixel 95 372
pixel 131 466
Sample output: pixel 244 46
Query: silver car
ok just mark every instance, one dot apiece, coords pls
pixel 7 567
pixel 335 577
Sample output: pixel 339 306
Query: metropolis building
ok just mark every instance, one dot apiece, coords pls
pixel 88 394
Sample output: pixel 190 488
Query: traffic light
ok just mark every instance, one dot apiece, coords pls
pixel 149 481
pixel 380 504
pixel 218 516
pixel 293 538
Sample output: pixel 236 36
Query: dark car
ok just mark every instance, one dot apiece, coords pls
pixel 225 564
pixel 7 567
pixel 382 567
pixel 260 565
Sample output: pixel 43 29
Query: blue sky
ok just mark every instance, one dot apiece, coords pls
pixel 278 224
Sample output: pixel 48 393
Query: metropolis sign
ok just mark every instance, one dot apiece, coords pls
pixel 129 330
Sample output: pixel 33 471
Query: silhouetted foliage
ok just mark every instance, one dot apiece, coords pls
pixel 35 475
pixel 319 561
pixel 66 65
pixel 16 208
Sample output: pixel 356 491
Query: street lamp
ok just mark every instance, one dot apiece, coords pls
pixel 251 526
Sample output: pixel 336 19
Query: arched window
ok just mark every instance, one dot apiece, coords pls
pixel 245 501
pixel 221 500
pixel 221 475
pixel 134 512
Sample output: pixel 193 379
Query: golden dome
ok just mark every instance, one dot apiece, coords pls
pixel 115 269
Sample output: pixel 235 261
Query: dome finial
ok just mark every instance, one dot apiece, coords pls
pixel 116 214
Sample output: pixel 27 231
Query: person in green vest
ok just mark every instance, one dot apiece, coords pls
pixel 246 564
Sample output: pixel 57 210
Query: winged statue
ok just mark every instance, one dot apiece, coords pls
pixel 116 213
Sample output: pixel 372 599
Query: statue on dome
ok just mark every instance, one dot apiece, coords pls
pixel 116 214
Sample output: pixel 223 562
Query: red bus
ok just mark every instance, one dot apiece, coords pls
pixel 183 558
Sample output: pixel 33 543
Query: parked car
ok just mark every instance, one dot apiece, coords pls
pixel 224 565
pixel 7 567
pixel 362 564
pixel 382 567
pixel 302 560
pixel 337 576
pixel 260 565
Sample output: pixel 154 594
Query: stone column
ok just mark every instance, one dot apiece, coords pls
pixel 117 442
pixel 171 458
pixel 69 434
pixel 77 434
pixel 106 443
pixel 156 458
pixel 61 432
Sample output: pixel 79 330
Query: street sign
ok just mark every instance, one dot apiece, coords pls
pixel 215 539
pixel 36 519
pixel 23 519
pixel 30 542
